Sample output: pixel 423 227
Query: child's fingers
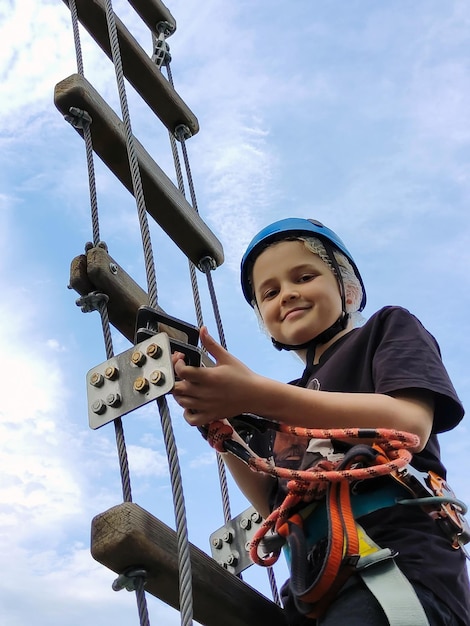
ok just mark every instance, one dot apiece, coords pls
pixel 211 345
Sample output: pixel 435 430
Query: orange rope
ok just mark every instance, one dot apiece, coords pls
pixel 393 453
pixel 304 485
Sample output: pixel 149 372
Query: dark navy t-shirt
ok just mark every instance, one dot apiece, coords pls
pixel 392 352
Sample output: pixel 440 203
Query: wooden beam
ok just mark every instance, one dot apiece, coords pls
pixel 164 202
pixel 127 536
pixel 138 67
pixel 98 271
pixel 152 12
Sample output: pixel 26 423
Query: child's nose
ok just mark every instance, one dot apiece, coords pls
pixel 289 293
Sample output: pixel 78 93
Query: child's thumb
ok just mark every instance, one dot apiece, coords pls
pixel 211 345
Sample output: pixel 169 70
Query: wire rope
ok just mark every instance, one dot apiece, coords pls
pixel 102 308
pixel 185 587
pixel 182 133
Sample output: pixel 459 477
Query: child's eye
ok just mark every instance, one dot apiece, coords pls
pixel 305 278
pixel 269 293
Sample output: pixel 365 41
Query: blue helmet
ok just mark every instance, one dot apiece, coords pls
pixel 292 227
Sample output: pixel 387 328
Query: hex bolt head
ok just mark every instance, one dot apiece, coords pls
pixel 154 351
pixel 98 407
pixel 138 357
pixel 245 523
pixel 248 546
pixel 113 399
pixel 96 379
pixel 227 537
pixel 141 384
pixel 217 543
pixel 256 517
pixel 157 377
pixel 232 559
pixel 111 372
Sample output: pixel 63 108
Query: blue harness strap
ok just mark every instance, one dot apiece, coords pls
pixel 315 516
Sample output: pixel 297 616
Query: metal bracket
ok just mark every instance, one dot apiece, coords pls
pixel 78 118
pixel 147 324
pixel 129 579
pixel 230 545
pixel 129 380
pixel 161 54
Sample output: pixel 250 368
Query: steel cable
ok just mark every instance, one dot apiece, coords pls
pixel 103 309
pixel 185 590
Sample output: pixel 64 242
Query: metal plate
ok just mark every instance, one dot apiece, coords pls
pixel 129 380
pixel 230 545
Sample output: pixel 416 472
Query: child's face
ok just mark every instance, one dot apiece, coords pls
pixel 297 294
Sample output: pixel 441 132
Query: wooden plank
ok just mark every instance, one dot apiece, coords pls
pixel 138 67
pixel 92 272
pixel 165 203
pixel 127 536
pixel 152 12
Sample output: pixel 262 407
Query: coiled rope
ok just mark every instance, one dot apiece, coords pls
pixel 307 485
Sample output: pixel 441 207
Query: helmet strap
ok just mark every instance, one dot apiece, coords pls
pixel 323 337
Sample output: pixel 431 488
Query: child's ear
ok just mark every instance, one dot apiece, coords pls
pixel 352 294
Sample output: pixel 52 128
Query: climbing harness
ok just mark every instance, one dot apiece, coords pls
pixel 316 523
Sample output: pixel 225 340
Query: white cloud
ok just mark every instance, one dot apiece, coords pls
pixel 145 462
pixel 209 458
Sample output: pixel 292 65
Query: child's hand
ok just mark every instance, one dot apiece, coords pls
pixel 210 393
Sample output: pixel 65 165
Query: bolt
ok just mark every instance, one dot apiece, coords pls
pixel 248 546
pixel 113 399
pixel 217 543
pixel 138 358
pixel 141 384
pixel 157 377
pixel 113 268
pixel 96 379
pixel 227 536
pixel 154 351
pixel 245 523
pixel 98 407
pixel 111 372
pixel 232 559
pixel 256 517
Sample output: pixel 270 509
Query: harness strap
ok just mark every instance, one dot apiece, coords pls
pixel 392 590
pixel 338 562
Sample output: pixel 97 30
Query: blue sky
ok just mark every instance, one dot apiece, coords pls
pixel 355 113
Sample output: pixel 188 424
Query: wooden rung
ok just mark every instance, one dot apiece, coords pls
pixel 138 67
pixel 127 536
pixel 98 271
pixel 91 272
pixel 165 203
pixel 152 12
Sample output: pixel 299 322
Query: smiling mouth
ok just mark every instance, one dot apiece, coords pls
pixel 293 312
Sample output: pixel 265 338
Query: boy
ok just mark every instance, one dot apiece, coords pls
pixel 308 292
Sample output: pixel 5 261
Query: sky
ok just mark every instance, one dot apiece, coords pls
pixel 354 113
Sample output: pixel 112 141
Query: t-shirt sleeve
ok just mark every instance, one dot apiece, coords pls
pixel 408 357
